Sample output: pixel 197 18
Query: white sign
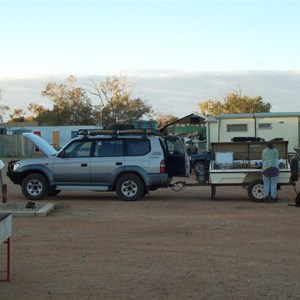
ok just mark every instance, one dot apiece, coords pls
pixel 5 227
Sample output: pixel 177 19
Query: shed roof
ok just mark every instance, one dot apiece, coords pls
pixel 191 119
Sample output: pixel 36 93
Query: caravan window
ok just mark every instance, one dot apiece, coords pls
pixel 264 126
pixel 237 127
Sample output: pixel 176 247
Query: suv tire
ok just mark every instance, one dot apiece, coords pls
pixel 130 187
pixel 35 186
pixel 199 167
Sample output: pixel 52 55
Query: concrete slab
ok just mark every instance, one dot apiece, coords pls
pixel 19 209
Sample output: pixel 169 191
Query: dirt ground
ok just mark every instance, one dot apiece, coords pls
pixel 170 245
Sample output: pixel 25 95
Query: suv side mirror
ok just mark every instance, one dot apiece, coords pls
pixel 62 154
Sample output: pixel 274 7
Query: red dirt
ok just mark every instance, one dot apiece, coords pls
pixel 167 246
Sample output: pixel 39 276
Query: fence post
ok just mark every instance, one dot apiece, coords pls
pixel 3 186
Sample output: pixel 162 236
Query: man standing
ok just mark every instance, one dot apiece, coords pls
pixel 270 172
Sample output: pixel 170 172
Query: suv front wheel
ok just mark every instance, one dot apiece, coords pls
pixel 130 187
pixel 35 186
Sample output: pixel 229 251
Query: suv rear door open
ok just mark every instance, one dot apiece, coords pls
pixel 177 158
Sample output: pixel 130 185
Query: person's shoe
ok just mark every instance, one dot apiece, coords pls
pixel 273 200
pixel 267 200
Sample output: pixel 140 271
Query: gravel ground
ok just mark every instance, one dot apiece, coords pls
pixel 167 246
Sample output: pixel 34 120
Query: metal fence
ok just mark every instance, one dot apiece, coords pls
pixel 15 146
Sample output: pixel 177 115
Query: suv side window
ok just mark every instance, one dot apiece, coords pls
pixel 78 149
pixel 108 148
pixel 137 147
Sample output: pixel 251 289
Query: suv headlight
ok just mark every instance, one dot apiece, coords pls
pixel 16 166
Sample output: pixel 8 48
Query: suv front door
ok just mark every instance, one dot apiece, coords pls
pixel 73 164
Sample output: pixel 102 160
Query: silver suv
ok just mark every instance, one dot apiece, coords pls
pixel 132 163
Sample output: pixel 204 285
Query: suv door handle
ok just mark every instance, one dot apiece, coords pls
pixel 84 165
pixel 118 163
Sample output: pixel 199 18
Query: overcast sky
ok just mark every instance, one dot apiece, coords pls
pixel 175 53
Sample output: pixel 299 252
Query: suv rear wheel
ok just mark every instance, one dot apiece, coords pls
pixel 130 187
pixel 35 186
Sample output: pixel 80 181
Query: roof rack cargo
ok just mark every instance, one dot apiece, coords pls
pixel 94 132
pixel 246 139
pixel 86 132
pixel 121 127
pixel 101 132
pixel 135 131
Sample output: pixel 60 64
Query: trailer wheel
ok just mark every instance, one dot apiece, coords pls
pixel 294 169
pixel 256 191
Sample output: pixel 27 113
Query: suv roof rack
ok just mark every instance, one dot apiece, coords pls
pixel 95 132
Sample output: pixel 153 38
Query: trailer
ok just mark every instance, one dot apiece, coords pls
pixel 239 164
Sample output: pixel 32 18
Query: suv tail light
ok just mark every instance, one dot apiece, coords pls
pixel 163 166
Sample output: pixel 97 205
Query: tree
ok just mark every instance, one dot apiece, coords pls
pixel 3 108
pixel 71 106
pixel 163 119
pixel 234 102
pixel 116 103
pixel 211 107
pixel 18 115
pixel 36 109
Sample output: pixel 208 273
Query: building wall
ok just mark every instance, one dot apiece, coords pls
pixel 53 134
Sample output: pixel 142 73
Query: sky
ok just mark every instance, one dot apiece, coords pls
pixel 175 53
